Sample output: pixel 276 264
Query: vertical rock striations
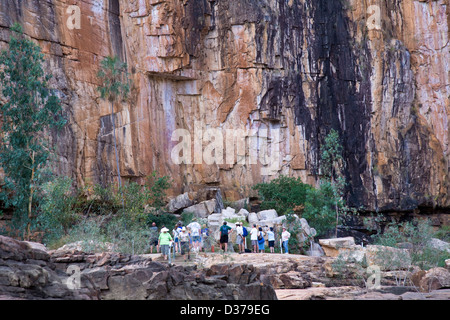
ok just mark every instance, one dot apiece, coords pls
pixel 296 67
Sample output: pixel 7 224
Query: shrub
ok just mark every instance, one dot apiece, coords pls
pixel 89 233
pixel 417 236
pixel 158 188
pixel 106 217
pixel 282 194
pixel 57 213
pixel 128 236
pixel 320 210
pixel 162 219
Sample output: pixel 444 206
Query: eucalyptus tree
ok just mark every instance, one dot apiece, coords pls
pixel 331 169
pixel 28 109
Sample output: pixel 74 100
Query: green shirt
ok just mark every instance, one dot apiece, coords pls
pixel 224 229
pixel 164 238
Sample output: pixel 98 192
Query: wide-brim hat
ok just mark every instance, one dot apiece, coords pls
pixel 164 229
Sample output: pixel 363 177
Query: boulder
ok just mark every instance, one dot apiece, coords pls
pixel 240 204
pixel 252 218
pixel 439 245
pixel 315 250
pixel 272 222
pixel 331 246
pixel 294 280
pixel 215 220
pixel 228 212
pixel 267 214
pixel 305 226
pixel 91 245
pixel 202 209
pixel 433 279
pixel 352 254
pixel 180 202
pixel 243 212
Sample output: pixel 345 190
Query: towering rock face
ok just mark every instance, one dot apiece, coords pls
pixel 280 73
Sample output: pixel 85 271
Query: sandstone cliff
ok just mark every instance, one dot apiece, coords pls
pixel 376 71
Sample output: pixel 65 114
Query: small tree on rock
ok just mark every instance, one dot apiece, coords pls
pixel 114 88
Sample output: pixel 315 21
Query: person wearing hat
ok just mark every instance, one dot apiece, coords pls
pixel 285 235
pixel 184 241
pixel 240 237
pixel 164 242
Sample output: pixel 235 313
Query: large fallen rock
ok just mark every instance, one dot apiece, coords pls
pixel 180 202
pixel 202 209
pixel 267 214
pixel 253 218
pixel 433 279
pixel 439 245
pixel 331 247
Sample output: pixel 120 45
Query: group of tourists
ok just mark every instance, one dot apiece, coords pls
pixel 183 239
pixel 258 237
pixel 195 237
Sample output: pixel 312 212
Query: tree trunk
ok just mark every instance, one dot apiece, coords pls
pixel 30 199
pixel 115 149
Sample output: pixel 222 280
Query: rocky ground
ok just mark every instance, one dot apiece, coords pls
pixel 298 277
pixel 29 271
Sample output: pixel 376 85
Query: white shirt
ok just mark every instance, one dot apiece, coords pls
pixel 271 235
pixel 285 236
pixel 195 228
pixel 254 234
pixel 239 230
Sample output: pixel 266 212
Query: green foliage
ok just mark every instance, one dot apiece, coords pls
pixel 89 232
pixel 282 194
pixel 114 78
pixel 56 208
pixel 320 209
pixel 295 229
pixel 128 236
pixel 162 219
pixel 443 233
pixel 187 217
pixel 322 206
pixel 158 188
pixel 30 109
pixel 331 156
pixel 417 235
pixel 70 216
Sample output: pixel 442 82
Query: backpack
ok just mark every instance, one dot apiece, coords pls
pixel 223 231
pixel 245 232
